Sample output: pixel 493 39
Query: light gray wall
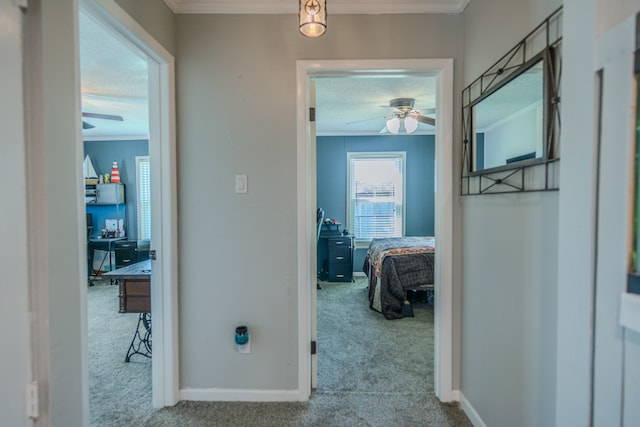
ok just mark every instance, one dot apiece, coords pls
pixel 612 12
pixel 492 27
pixel 56 222
pixel 509 260
pixel 236 93
pixel 155 17
pixel 15 369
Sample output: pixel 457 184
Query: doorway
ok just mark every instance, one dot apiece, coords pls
pixel 161 75
pixel 442 70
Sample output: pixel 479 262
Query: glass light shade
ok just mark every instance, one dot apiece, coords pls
pixel 410 124
pixel 313 17
pixel 393 125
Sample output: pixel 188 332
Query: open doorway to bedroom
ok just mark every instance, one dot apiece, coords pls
pixel 375 179
pixel 144 100
pixel 116 169
pixel 308 74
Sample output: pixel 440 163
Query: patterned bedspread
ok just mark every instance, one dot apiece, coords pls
pixel 395 265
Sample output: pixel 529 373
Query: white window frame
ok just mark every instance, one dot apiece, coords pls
pixel 143 199
pixel 377 155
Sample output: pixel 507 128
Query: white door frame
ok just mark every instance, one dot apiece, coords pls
pixel 615 168
pixel 162 154
pixel 442 69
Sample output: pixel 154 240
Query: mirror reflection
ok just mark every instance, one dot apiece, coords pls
pixel 508 124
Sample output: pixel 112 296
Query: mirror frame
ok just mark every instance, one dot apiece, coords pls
pixel 537 174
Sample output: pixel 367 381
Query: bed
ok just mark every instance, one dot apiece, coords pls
pixel 393 267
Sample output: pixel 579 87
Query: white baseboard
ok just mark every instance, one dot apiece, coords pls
pixel 470 411
pixel 359 274
pixel 238 395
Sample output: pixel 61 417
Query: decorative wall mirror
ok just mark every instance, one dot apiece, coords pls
pixel 511 118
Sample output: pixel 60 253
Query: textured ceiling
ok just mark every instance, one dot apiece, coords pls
pixel 360 105
pixel 113 81
pixel 333 6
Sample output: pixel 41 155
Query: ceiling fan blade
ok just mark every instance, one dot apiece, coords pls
pixel 86 125
pixel 102 116
pixel 363 120
pixel 426 120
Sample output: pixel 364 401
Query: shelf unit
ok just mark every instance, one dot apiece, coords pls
pixel 105 201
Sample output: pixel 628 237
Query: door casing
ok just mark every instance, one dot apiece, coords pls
pixel 442 69
pixel 162 154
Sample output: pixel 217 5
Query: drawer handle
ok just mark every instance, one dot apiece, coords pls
pixel 339 257
pixel 126 260
pixel 339 275
pixel 339 243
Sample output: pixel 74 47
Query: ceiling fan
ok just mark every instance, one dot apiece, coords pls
pixel 404 113
pixel 86 125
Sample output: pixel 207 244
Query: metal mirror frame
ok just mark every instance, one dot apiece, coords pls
pixel 538 174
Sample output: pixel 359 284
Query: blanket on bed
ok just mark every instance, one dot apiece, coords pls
pixel 395 265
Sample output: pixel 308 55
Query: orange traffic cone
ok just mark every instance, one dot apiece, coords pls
pixel 115 174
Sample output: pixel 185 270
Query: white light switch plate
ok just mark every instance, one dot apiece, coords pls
pixel 241 184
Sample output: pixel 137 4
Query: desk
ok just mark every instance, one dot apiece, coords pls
pixel 104 244
pixel 134 282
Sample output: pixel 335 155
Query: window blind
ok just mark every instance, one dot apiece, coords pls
pixel 143 185
pixel 376 195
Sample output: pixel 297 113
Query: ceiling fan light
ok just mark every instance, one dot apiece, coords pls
pixel 393 125
pixel 410 124
pixel 313 17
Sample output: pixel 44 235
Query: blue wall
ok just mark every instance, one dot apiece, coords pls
pixel 102 154
pixel 331 163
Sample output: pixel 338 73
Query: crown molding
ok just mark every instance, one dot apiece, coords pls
pixel 288 7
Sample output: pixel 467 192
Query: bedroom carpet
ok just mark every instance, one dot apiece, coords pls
pixel 371 372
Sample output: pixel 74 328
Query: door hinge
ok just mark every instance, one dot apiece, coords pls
pixel 152 254
pixel 33 411
pixel 312 114
pixel 314 346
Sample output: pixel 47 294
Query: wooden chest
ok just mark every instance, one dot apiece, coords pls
pixel 135 295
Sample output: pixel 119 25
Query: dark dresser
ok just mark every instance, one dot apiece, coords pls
pixel 129 252
pixel 340 258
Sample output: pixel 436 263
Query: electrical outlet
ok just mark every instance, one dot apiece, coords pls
pixel 245 348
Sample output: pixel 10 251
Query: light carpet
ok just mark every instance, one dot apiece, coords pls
pixel 371 372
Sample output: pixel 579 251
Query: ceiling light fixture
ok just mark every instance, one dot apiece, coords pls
pixel 393 125
pixel 313 17
pixel 410 124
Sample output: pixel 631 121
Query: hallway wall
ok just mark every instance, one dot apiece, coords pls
pixel 509 259
pixel 249 241
pixel 15 334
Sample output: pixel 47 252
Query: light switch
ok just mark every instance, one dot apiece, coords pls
pixel 241 184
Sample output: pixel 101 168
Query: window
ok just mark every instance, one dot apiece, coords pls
pixel 375 197
pixel 143 185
